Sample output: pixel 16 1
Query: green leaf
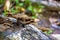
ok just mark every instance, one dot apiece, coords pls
pixel 12 10
pixel 35 11
pixel 40 10
pixel 21 4
pixel 17 1
pixel 5 13
pixel 34 17
pixel 30 8
pixel 27 1
pixel 2 1
pixel 50 31
pixel 41 6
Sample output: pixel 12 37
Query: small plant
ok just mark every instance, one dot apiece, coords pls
pixel 34 7
pixel 2 1
pixel 49 32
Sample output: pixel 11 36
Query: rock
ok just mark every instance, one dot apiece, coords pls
pixel 12 19
pixel 30 32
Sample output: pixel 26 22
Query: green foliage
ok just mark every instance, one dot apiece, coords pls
pixel 48 32
pixel 2 1
pixel 15 10
pixel 30 8
pixel 27 1
pixel 12 10
pixel 33 7
pixel 21 4
pixel 5 12
pixel 36 8
pixel 34 16
pixel 17 2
